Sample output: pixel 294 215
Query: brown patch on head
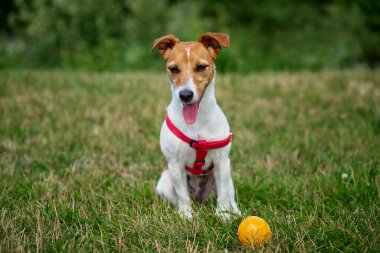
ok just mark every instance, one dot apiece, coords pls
pixel 177 64
pixel 191 60
pixel 202 67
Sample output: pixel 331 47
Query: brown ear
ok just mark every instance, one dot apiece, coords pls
pixel 214 42
pixel 164 44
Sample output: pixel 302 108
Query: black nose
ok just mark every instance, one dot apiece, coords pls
pixel 186 95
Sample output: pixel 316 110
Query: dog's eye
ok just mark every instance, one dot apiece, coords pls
pixel 174 69
pixel 201 68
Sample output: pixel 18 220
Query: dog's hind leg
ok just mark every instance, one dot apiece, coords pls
pixel 165 188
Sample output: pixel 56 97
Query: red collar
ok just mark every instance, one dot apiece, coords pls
pixel 201 146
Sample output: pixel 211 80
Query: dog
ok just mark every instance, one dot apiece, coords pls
pixel 195 137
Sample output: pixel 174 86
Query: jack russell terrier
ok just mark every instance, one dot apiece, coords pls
pixel 195 137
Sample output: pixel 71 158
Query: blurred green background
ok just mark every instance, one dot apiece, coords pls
pixel 116 35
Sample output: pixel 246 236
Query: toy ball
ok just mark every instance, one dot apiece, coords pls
pixel 254 231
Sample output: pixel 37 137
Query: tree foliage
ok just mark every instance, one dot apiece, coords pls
pixel 117 34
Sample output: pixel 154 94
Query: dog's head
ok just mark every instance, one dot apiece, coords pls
pixel 190 67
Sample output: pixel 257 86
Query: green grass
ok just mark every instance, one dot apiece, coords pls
pixel 80 156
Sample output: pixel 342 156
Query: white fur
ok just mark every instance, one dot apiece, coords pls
pixel 211 124
pixel 188 55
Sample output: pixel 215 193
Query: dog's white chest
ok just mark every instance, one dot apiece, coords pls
pixel 174 148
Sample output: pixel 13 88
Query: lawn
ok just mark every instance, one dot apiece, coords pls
pixel 80 156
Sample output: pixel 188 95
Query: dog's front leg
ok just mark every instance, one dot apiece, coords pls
pixel 225 189
pixel 178 175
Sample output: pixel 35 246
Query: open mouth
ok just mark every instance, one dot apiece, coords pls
pixel 190 112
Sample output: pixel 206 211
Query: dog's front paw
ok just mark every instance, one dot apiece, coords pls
pixel 227 213
pixel 223 214
pixel 236 211
pixel 185 212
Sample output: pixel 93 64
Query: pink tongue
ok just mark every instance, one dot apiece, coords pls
pixel 190 112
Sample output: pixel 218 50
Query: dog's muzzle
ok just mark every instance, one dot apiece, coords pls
pixel 186 95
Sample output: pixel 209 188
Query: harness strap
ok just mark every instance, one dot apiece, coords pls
pixel 201 147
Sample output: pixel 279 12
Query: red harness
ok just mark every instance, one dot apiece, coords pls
pixel 201 146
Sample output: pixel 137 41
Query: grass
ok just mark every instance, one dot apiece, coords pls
pixel 80 156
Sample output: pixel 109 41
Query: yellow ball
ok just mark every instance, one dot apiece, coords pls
pixel 254 231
